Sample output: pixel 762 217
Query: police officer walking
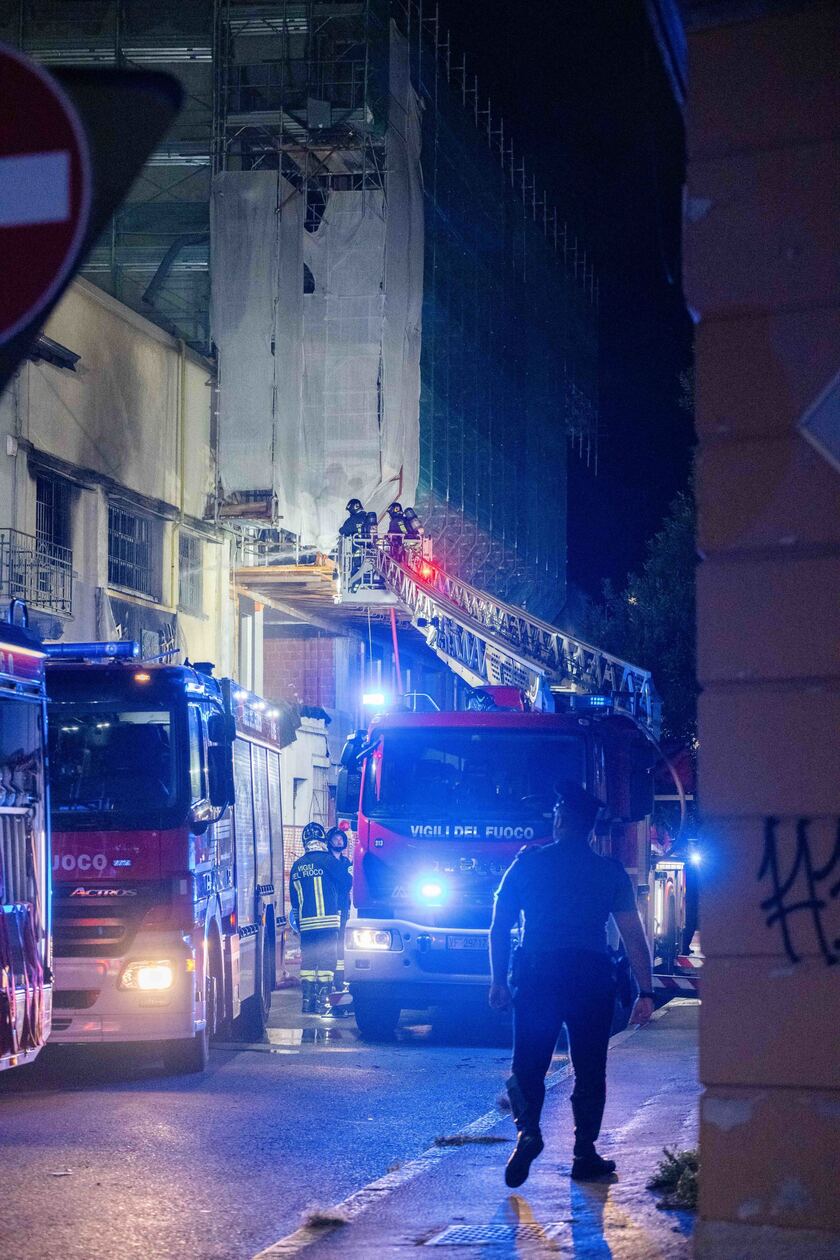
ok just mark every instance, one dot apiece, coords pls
pixel 316 893
pixel 563 975
pixel 337 844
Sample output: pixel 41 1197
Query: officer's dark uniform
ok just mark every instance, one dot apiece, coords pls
pixel 316 892
pixel 564 974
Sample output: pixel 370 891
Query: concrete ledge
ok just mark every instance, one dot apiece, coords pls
pixel 724 1240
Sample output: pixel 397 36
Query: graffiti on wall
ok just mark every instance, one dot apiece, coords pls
pixel 802 892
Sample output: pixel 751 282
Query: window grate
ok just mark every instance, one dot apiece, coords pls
pixel 190 572
pixel 131 552
pixel 52 514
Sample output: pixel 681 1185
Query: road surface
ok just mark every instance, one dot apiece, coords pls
pixel 106 1156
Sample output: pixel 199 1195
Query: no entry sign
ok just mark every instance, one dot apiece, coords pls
pixel 45 189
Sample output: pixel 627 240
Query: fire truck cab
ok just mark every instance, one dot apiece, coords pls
pixel 445 801
pixel 168 860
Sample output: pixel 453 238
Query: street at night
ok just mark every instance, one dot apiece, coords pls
pixel 132 1162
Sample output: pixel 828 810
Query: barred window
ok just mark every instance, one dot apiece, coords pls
pixel 190 572
pixel 132 546
pixel 52 514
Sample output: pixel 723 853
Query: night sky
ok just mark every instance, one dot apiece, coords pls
pixel 582 88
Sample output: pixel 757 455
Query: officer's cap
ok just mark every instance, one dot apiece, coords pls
pixel 574 798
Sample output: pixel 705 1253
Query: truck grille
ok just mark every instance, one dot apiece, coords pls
pixel 84 931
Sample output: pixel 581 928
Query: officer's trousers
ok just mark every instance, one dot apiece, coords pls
pixel 577 989
pixel 318 951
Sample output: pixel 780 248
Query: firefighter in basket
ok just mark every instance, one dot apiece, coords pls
pixel 316 895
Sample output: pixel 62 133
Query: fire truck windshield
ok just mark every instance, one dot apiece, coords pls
pixel 434 774
pixel 111 766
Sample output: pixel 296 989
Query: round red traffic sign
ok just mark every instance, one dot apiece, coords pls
pixel 44 189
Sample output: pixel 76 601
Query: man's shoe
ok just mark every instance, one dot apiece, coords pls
pixel 591 1167
pixel 528 1147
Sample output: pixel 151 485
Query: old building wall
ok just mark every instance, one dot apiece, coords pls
pixel 761 254
pixel 109 471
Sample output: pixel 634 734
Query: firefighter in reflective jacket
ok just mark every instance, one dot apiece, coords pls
pixel 316 895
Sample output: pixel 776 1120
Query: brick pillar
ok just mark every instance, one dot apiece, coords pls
pixel 761 274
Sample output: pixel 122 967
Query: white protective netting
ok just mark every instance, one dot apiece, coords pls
pixel 319 391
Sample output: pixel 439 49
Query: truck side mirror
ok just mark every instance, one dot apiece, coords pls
pixel 353 746
pixel 220 729
pixel 348 789
pixel 220 775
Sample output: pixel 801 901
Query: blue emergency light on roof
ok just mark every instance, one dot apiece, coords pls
pixel 122 650
pixel 591 702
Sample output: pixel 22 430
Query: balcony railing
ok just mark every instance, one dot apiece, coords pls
pixel 39 572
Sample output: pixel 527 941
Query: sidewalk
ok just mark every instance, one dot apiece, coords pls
pixel 455 1200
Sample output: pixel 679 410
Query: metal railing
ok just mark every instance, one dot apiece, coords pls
pixel 38 572
pixel 487 641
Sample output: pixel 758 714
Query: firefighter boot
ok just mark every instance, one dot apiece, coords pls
pixel 308 997
pixel 587 1164
pixel 323 1006
pixel 529 1144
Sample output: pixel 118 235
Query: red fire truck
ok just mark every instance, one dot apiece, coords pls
pixel 445 801
pixel 25 976
pixel 168 852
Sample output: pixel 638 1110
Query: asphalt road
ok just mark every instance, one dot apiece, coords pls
pixel 103 1155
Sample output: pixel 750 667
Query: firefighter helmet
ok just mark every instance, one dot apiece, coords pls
pixel 354 505
pixel 313 833
pixel 395 509
pixel 410 514
pixel 336 840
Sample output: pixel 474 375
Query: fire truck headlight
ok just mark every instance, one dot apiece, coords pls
pixel 371 938
pixel 431 892
pixel 148 976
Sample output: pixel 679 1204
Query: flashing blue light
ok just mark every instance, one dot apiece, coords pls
pixel 375 699
pixel 695 857
pixel 122 650
pixel 431 890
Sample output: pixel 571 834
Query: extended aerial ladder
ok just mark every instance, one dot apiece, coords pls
pixel 486 641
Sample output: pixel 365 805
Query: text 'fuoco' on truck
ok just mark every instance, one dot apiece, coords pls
pixel 442 801
pixel 168 852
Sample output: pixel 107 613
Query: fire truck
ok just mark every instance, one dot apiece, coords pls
pixel 169 909
pixel 442 802
pixel 25 960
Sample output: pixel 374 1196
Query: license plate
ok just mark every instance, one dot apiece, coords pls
pixel 466 942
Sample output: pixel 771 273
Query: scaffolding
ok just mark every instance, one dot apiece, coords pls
pixel 301 87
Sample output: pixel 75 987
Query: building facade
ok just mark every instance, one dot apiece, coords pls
pixel 398 311
pixel 107 483
pixel 761 254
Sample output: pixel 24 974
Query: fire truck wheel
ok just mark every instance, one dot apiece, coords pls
pixel 376 1018
pixel 193 1054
